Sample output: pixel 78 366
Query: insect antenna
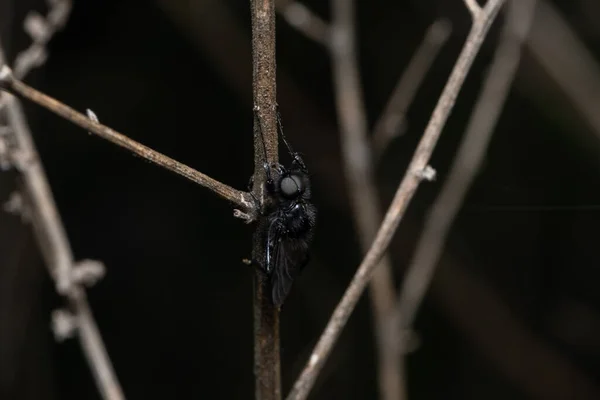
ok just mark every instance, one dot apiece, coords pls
pixel 295 155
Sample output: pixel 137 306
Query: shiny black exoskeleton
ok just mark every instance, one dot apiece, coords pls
pixel 287 222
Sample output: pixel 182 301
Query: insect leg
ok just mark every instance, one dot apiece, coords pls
pixel 254 263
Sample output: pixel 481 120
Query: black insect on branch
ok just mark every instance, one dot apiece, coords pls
pixel 287 222
pixel 283 194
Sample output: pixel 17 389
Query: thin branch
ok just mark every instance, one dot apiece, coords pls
pixel 9 83
pixel 404 194
pixel 473 7
pixel 468 161
pixel 59 257
pixel 25 158
pixel 56 249
pixel 392 120
pixel 93 347
pixel 267 370
pixel 300 17
pixel 48 228
pixel 564 56
pixel 41 29
pixel 360 176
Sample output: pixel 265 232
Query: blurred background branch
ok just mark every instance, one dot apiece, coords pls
pixel 392 121
pixel 362 191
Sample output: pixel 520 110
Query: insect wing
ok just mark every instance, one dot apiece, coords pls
pixel 289 256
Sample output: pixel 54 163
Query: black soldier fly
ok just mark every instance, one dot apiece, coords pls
pixel 287 220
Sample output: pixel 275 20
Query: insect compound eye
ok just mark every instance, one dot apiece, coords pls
pixel 291 186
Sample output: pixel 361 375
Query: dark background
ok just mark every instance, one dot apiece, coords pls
pixel 513 312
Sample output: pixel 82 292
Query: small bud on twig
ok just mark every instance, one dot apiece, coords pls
pixel 16 205
pixel 64 324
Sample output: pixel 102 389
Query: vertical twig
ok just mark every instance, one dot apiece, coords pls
pixel 358 167
pixel 404 194
pixel 266 315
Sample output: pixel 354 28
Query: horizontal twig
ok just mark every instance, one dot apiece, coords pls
pixel 241 199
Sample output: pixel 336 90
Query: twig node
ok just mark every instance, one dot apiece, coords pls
pixel 16 205
pixel 5 75
pixel 88 272
pixel 247 218
pixel 428 173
